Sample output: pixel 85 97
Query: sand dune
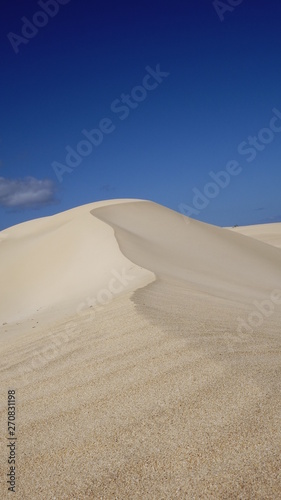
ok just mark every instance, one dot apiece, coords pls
pixel 56 262
pixel 149 389
pixel 203 256
pixel 268 233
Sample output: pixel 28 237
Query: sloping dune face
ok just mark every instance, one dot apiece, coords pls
pixel 205 257
pixel 169 391
pixel 56 262
pixel 268 233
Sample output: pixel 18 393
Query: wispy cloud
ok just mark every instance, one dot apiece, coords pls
pixel 107 188
pixel 27 192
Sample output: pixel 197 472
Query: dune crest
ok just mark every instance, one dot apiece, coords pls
pixel 159 393
pixel 57 262
pixel 203 256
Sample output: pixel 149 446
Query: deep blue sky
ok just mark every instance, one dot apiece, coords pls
pixel 224 80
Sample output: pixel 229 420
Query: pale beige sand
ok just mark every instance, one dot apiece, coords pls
pixel 269 233
pixel 154 395
pixel 55 262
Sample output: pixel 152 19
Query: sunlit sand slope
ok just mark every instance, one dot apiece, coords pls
pixel 268 233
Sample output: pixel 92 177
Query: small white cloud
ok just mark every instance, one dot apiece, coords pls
pixel 26 193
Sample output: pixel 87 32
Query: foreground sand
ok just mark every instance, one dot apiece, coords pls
pixel 156 394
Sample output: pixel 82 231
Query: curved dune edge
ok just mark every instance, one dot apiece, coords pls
pixel 63 264
pixel 202 256
pixel 157 395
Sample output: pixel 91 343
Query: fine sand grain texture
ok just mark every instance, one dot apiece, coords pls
pixel 162 384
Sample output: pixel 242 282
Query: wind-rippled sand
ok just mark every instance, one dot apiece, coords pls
pixel 155 395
